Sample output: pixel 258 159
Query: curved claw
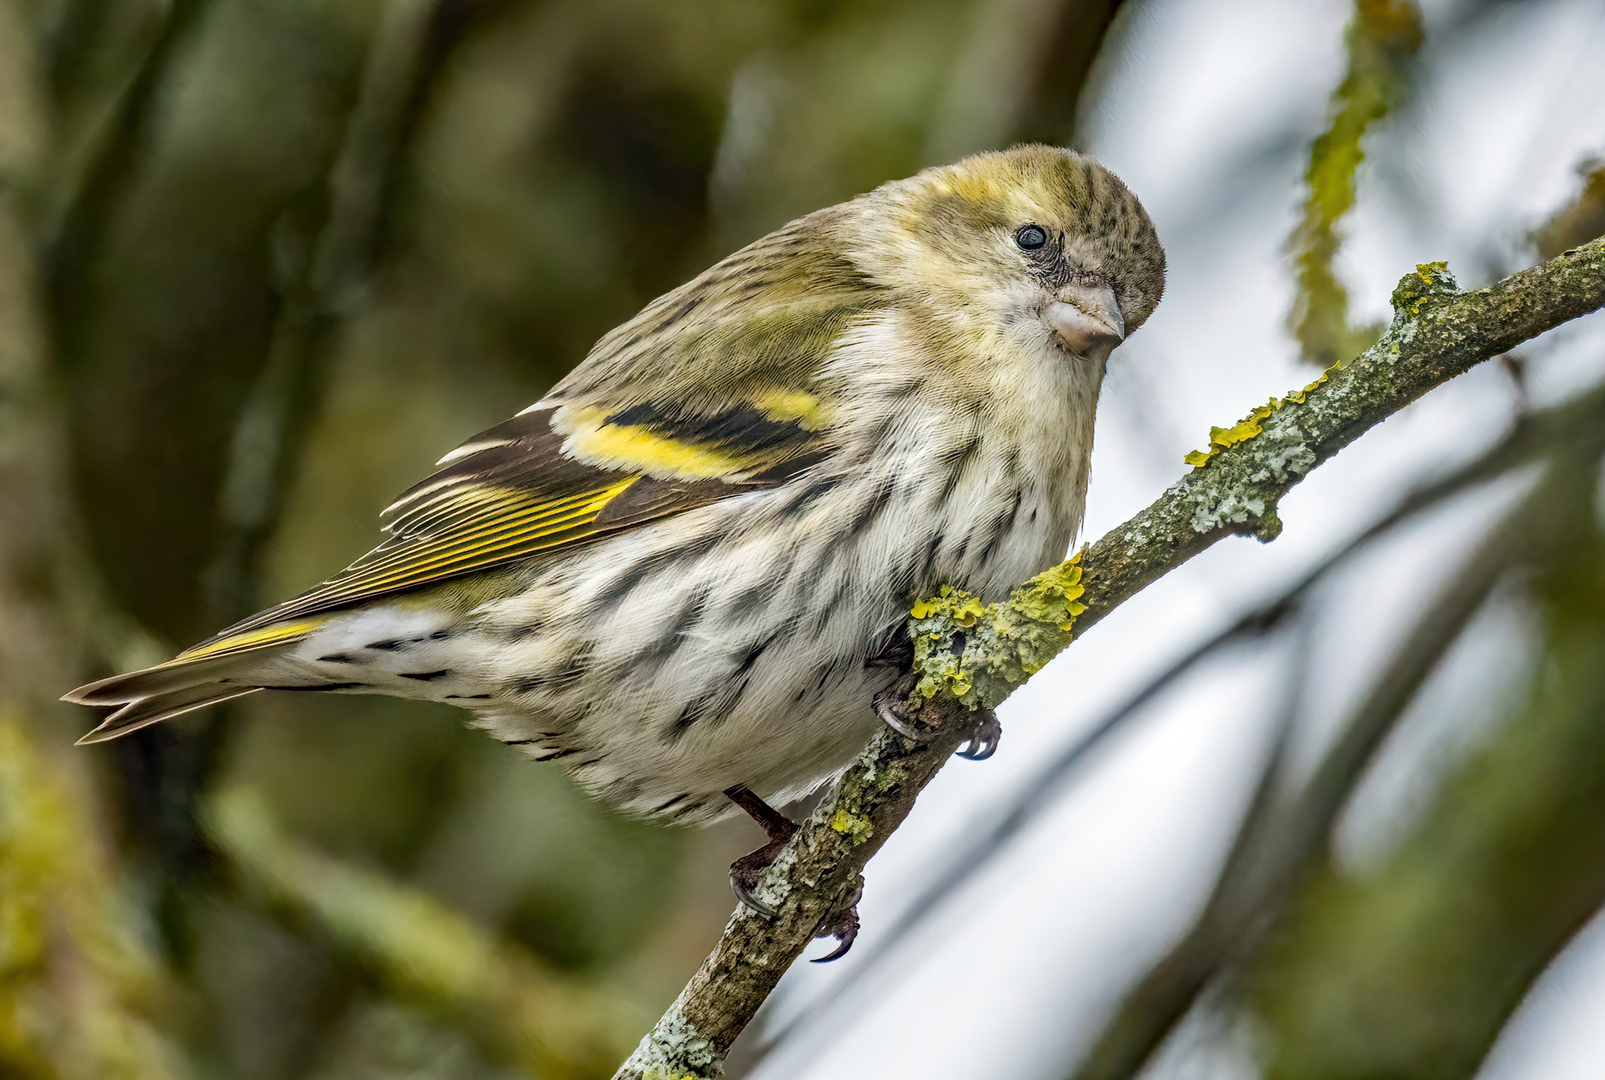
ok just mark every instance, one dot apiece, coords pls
pixel 983 741
pixel 846 939
pixel 743 893
pixel 845 927
pixel 886 709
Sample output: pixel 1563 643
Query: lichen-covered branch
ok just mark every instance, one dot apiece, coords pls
pixel 972 655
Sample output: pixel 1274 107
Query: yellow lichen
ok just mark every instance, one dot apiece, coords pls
pixel 855 827
pixel 1297 396
pixel 1252 424
pixel 1414 291
pixel 1220 438
pixel 977 653
pixel 962 607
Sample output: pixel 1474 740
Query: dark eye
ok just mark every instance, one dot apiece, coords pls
pixel 1031 237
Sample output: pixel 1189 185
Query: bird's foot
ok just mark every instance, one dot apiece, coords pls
pixel 898 654
pixel 981 744
pixel 745 871
pixel 843 926
pixel 983 741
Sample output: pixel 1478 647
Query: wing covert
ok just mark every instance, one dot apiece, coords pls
pixel 515 492
pixel 631 436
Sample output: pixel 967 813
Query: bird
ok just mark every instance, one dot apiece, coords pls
pixel 682 571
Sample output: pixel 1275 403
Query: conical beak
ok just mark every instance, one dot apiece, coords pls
pixel 1087 320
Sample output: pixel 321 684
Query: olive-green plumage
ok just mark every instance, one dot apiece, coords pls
pixel 670 571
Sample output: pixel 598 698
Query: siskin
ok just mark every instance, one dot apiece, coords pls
pixel 675 573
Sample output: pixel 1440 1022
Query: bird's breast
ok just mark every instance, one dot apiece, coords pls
pixel 989 501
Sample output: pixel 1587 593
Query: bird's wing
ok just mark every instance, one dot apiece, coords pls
pixel 627 439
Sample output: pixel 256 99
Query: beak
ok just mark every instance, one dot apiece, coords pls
pixel 1086 319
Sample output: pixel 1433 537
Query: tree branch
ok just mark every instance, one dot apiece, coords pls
pixel 1576 428
pixel 970 655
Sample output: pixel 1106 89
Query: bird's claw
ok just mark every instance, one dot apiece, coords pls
pixel 844 927
pixel 981 744
pixel 983 741
pixel 889 707
pixel 742 883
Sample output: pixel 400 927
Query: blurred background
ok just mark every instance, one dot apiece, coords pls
pixel 262 263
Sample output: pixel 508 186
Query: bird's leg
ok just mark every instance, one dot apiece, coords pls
pixel 744 872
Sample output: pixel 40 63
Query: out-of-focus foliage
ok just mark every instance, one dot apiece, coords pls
pixel 1382 37
pixel 77 987
pixel 1580 220
pixel 1430 952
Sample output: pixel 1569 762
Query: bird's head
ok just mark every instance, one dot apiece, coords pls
pixel 1036 240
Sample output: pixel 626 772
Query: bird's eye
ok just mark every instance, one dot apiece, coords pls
pixel 1031 237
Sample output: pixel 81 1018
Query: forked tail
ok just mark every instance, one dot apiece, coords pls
pixel 213 672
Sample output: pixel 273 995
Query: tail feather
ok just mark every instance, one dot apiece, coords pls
pixel 144 712
pixel 204 676
pixel 165 678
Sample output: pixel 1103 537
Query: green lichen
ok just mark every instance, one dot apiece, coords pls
pixel 977 653
pixel 855 827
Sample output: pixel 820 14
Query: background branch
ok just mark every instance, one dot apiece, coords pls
pixel 1285 837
